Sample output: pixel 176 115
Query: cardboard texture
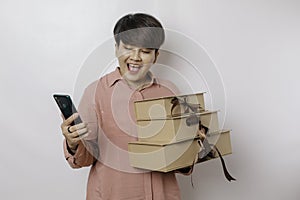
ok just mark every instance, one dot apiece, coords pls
pixel 163 157
pixel 168 130
pixel 174 129
pixel 160 108
pixel 210 120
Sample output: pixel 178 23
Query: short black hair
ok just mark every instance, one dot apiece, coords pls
pixel 140 30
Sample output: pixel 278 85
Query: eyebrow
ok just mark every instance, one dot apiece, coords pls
pixel 132 46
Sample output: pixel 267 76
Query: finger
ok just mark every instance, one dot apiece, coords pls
pixel 65 128
pixel 201 134
pixel 77 127
pixel 68 121
pixel 77 138
pixel 76 134
pixel 82 131
pixel 85 135
pixel 203 131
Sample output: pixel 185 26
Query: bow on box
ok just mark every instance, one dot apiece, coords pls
pixel 188 108
pixel 208 151
pixel 194 108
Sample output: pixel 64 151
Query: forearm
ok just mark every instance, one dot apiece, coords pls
pixel 85 154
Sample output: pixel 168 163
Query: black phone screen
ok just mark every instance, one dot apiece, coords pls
pixel 67 107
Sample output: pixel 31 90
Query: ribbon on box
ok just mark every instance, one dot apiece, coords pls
pixel 208 152
pixel 188 107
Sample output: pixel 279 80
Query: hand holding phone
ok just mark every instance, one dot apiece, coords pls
pixel 67 107
pixel 72 127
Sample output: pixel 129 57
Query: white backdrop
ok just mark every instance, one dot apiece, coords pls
pixel 254 44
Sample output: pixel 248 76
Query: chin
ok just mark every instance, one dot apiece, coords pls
pixel 134 79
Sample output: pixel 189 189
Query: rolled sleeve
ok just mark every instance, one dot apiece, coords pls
pixel 69 157
pixel 85 155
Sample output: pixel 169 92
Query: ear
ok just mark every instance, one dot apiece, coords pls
pixel 156 55
pixel 116 50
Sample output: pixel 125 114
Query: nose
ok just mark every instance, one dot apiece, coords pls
pixel 135 55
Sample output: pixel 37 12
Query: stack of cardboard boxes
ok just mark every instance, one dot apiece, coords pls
pixel 168 131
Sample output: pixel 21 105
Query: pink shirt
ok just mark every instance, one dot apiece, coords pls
pixel 107 107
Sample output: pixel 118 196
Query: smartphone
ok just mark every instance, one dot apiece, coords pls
pixel 66 107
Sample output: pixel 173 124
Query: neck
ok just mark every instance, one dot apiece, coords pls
pixel 139 84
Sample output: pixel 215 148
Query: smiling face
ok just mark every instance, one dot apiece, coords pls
pixel 135 63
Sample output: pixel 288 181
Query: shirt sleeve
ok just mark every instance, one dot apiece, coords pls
pixel 87 151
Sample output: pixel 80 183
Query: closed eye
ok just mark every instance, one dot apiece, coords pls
pixel 127 48
pixel 146 51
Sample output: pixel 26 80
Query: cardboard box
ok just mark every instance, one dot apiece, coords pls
pixel 221 139
pixel 163 157
pixel 160 108
pixel 210 120
pixel 171 129
pixel 174 129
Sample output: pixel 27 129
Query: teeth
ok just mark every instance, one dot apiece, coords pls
pixel 133 68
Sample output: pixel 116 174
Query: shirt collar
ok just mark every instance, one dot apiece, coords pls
pixel 116 76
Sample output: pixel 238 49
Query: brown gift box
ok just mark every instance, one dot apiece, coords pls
pixel 171 156
pixel 160 108
pixel 167 130
pixel 166 142
pixel 173 129
pixel 163 157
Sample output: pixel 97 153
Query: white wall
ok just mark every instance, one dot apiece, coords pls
pixel 254 44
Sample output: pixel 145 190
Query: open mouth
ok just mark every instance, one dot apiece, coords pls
pixel 133 68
